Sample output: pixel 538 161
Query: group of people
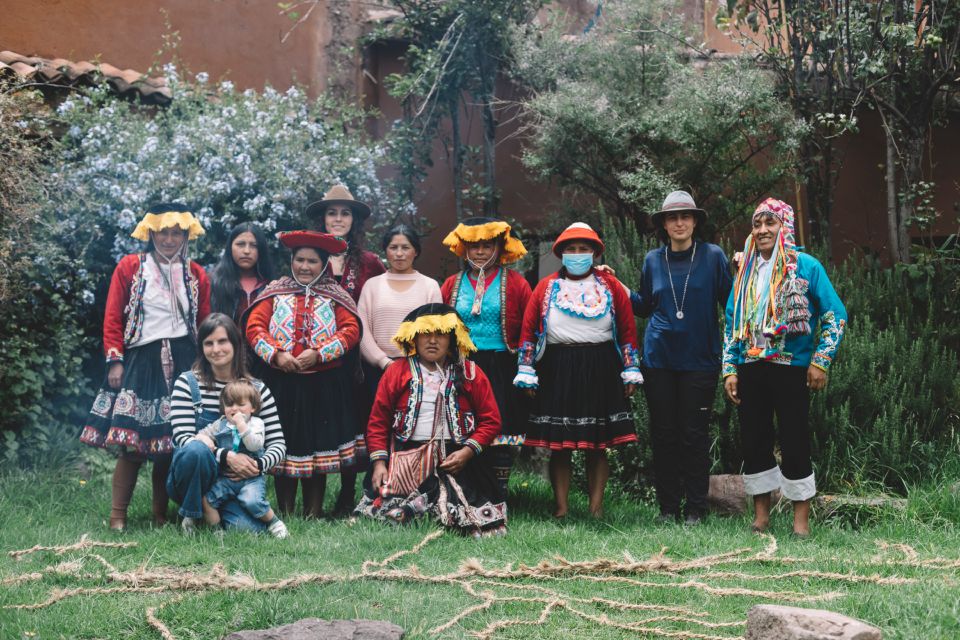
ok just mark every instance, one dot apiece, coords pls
pixel 344 366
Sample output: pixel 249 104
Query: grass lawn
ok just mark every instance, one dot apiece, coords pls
pixel 51 510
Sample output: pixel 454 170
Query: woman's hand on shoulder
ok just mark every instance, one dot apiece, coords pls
pixel 286 362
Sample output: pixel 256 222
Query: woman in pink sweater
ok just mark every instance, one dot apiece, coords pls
pixel 385 300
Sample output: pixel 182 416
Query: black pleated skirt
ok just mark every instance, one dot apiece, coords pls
pixel 514 405
pixel 318 418
pixel 580 402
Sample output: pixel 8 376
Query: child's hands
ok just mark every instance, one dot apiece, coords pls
pixel 207 440
pixel 240 421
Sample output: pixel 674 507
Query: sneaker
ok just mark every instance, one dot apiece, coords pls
pixel 189 526
pixel 278 530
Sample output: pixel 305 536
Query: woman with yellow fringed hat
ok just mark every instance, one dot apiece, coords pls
pixel 156 300
pixel 491 298
pixel 433 418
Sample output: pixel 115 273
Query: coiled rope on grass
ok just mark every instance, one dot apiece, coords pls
pixel 490 587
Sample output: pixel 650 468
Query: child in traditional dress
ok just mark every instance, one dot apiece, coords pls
pixel 240 431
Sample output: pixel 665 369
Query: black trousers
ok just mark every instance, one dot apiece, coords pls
pixel 679 403
pixel 767 390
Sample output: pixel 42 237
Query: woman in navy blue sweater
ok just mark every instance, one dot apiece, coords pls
pixel 683 285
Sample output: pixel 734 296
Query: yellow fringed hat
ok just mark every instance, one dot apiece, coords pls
pixel 429 318
pixel 478 229
pixel 164 216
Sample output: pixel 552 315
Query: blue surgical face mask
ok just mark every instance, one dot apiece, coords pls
pixel 577 264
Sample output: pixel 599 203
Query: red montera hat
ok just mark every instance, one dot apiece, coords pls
pixel 315 239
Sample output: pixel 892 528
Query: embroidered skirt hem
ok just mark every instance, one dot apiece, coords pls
pixel 580 403
pixel 136 418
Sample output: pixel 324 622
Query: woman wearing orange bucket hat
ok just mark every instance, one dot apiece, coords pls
pixel 491 299
pixel 579 360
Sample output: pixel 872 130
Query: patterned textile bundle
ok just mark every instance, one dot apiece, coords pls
pixel 781 306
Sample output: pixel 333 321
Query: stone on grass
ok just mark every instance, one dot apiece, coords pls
pixel 316 629
pixel 775 622
pixel 727 495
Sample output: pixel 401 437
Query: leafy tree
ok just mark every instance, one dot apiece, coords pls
pixel 457 50
pixel 627 112
pixel 900 57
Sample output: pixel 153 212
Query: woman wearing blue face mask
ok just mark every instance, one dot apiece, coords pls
pixel 578 360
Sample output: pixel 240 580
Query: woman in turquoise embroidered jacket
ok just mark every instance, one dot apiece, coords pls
pixel 784 326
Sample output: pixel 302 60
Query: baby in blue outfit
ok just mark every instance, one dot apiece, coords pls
pixel 239 430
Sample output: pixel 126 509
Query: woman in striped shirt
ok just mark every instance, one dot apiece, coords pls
pixel 194 403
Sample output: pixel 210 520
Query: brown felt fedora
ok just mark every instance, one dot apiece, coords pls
pixel 338 194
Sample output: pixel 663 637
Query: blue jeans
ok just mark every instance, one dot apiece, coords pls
pixel 192 474
pixel 251 493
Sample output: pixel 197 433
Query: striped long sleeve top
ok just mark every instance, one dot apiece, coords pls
pixel 183 418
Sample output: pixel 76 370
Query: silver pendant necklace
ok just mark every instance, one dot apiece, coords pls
pixel 683 298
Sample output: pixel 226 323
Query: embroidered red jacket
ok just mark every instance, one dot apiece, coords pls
pixel 123 316
pixel 475 418
pixel 514 294
pixel 533 335
pixel 280 321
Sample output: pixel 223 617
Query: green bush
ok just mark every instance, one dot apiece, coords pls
pixel 890 416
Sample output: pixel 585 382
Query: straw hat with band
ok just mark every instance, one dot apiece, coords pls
pixel 578 231
pixel 480 229
pixel 433 318
pixel 338 194
pixel 165 216
pixel 674 202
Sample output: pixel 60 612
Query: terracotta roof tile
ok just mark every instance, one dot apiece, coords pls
pixel 64 73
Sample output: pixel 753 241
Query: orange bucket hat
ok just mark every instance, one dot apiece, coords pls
pixel 578 231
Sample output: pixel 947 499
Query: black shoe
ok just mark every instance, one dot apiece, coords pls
pixel 667 518
pixel 693 519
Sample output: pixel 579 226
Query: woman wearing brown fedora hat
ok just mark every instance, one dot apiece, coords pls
pixel 343 216
pixel 682 286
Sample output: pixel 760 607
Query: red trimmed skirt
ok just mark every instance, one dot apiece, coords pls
pixel 580 403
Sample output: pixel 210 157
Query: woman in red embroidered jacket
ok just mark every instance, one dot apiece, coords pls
pixel 580 362
pixel 303 326
pixel 340 215
pixel 435 395
pixel 491 298
pixel 155 302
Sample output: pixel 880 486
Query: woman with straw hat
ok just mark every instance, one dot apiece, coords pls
pixel 302 326
pixel 437 406
pixel 156 300
pixel 491 299
pixel 580 362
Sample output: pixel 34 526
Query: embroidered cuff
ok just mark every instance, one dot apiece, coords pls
pixel 114 355
pixel 799 490
pixel 729 369
pixel 763 482
pixel 527 352
pixel 630 356
pixel 821 361
pixel 265 350
pixel 331 351
pixel 473 444
pixel 526 377
pixel 631 375
pixel 379 455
